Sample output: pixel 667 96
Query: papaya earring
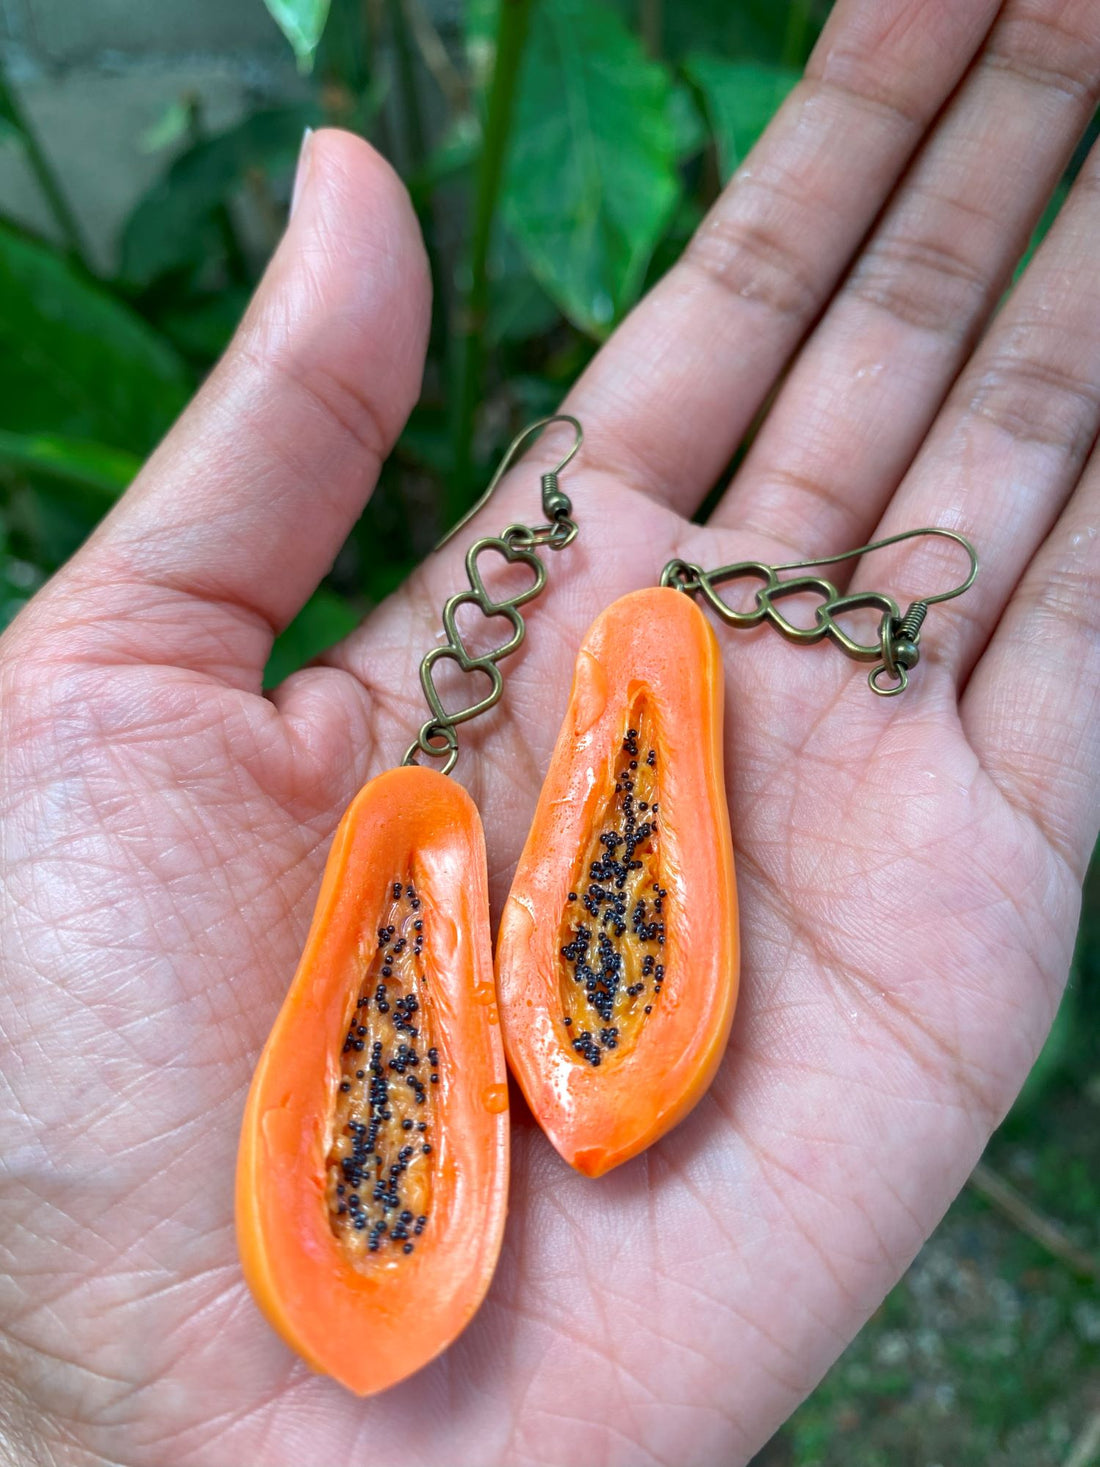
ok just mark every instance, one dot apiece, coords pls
pixel 373 1167
pixel 618 951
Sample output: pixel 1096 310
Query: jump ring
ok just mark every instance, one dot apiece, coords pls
pixel 900 686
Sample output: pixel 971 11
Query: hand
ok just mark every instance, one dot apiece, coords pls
pixel 909 869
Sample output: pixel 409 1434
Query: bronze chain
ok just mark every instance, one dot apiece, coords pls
pixel 896 648
pixel 438 736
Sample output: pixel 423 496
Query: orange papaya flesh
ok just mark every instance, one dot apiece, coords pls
pixel 618 952
pixel 373 1168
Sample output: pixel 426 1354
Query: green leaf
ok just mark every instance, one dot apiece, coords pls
pixel 101 472
pixel 303 24
pixel 690 128
pixel 18 580
pixel 519 308
pixel 11 124
pixel 741 98
pixel 591 179
pixel 56 490
pixel 748 28
pixel 323 620
pixel 76 362
pixel 200 325
pixel 49 520
pixel 426 441
pixel 173 226
pixel 172 126
pixel 686 219
pixel 454 155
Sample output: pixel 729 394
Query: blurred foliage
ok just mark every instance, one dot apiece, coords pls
pixel 559 154
pixel 735 95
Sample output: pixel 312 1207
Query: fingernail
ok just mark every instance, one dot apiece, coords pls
pixel 301 171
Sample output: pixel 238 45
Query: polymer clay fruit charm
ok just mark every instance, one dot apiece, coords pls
pixel 372 1175
pixel 617 959
pixel 373 1170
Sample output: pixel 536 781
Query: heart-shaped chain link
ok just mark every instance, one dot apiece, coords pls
pixel 896 648
pixel 437 737
pixel 764 608
pixel 517 544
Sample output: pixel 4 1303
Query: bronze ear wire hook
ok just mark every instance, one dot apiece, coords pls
pixel 899 636
pixel 896 648
pixel 438 737
pixel 556 505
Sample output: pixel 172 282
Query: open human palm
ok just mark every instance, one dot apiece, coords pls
pixel 908 868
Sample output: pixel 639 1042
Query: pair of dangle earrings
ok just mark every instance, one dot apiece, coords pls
pixel 372 1175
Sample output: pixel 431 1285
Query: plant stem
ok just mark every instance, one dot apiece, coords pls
pixel 1040 1228
pixel 512 25
pixel 64 217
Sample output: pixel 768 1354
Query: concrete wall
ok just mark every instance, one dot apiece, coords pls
pixel 96 76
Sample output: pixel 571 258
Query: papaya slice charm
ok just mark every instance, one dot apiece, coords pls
pixel 617 958
pixel 373 1169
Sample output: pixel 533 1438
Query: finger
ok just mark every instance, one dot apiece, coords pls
pixel 678 383
pixel 1032 707
pixel 242 509
pixel 1009 445
pixel 859 400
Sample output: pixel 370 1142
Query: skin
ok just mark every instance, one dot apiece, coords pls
pixel 909 869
